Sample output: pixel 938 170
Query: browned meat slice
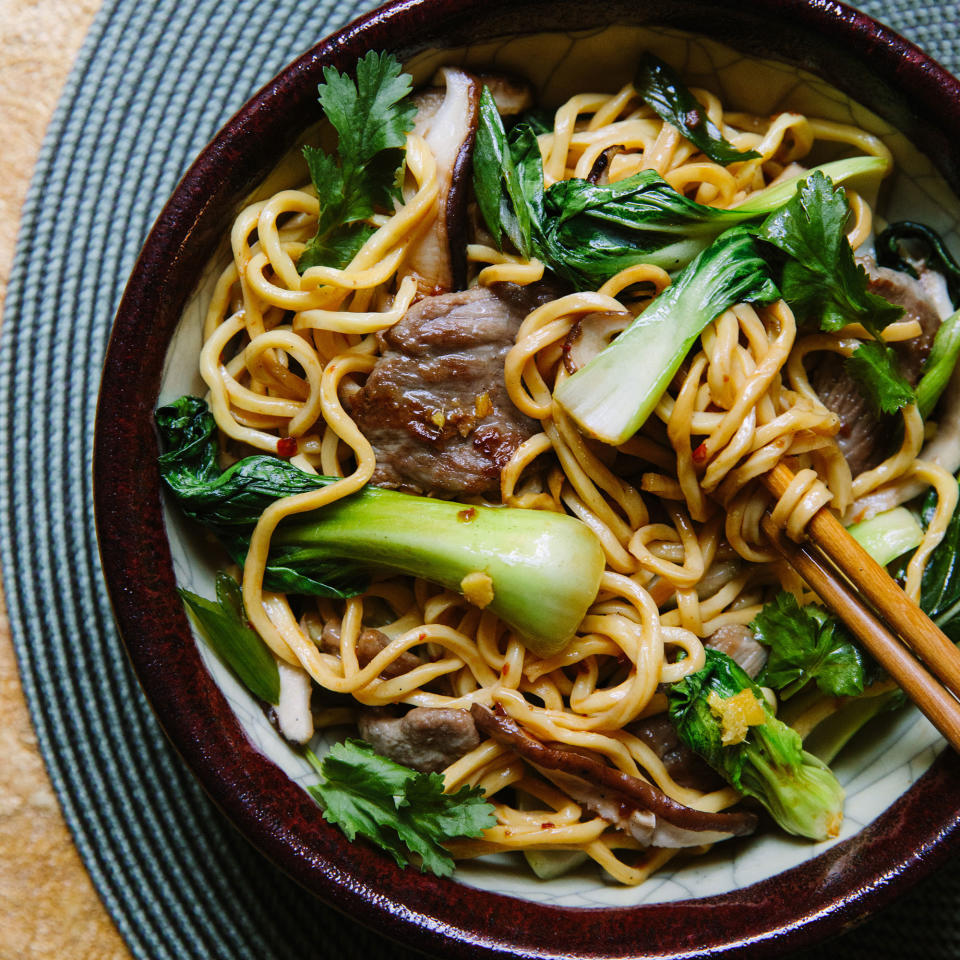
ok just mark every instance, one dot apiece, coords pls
pixel 860 428
pixel 740 645
pixel 369 644
pixel 682 763
pixel 428 739
pixel 435 407
pixel 598 786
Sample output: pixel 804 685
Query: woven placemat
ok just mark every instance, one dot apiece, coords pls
pixel 152 84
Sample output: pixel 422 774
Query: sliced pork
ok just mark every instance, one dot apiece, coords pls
pixel 686 768
pixel 428 739
pixel 369 644
pixel 435 407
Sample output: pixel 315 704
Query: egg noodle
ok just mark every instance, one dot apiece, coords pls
pixel 685 556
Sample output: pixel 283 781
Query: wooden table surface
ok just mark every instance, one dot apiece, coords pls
pixel 49 909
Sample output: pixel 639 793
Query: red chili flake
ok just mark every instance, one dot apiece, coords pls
pixel 465 516
pixel 547 825
pixel 421 638
pixel 287 447
pixel 700 454
pixel 504 670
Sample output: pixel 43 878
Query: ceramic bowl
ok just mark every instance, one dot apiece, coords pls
pixel 757 897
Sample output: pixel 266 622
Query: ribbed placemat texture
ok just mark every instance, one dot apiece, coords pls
pixel 153 83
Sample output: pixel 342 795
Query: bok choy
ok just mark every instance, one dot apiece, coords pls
pixel 587 232
pixel 721 714
pixel 803 246
pixel 538 571
pixel 615 392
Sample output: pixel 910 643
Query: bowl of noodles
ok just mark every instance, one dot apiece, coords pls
pixel 430 499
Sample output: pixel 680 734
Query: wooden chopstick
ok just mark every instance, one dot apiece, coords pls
pixel 923 636
pixel 914 679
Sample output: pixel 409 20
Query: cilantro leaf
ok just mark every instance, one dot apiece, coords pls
pixel 396 808
pixel 371 120
pixel 806 644
pixel 825 285
pixel 661 89
pixel 873 367
pixel 224 625
pixel 821 281
pixel 366 114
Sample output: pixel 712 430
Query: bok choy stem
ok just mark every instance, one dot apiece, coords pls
pixel 539 571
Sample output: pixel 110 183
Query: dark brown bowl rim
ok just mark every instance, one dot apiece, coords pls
pixel 818 898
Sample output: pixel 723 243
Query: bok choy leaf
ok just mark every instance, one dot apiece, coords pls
pixel 661 89
pixel 225 627
pixel 586 232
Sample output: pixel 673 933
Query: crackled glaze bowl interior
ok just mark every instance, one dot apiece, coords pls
pixel 883 764
pixel 224 733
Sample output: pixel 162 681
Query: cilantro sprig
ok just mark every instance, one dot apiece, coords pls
pixel 825 285
pixel 371 117
pixel 806 644
pixel 398 809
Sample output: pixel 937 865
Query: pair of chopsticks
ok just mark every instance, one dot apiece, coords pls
pixel 837 568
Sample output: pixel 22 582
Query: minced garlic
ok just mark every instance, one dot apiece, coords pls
pixel 477 587
pixel 483 405
pixel 736 714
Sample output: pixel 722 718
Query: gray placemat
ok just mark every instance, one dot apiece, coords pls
pixel 153 82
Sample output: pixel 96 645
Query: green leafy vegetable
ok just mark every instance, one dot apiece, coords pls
pixel 593 231
pixel 586 232
pixel 398 809
pixel 823 284
pixel 874 368
pixel 612 395
pixel 820 278
pixel 507 177
pixel 770 764
pixel 229 503
pixel 806 644
pixel 940 584
pixel 661 89
pixel 371 120
pixel 223 623
pixel 940 364
pixel 333 551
